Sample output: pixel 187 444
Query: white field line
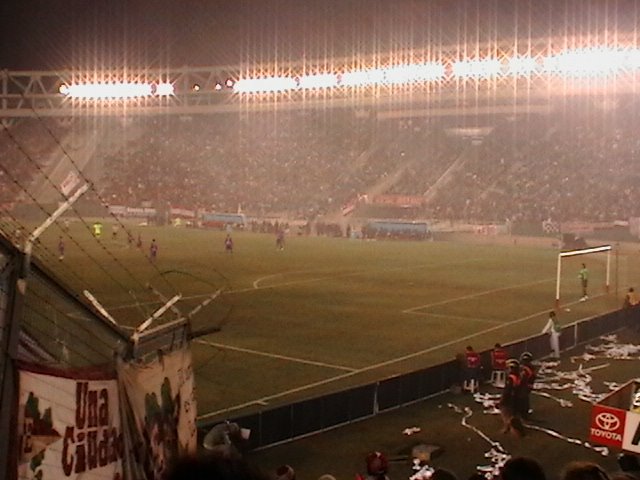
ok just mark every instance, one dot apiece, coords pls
pixel 275 355
pixel 265 400
pixel 474 295
pixel 454 317
pixel 299 282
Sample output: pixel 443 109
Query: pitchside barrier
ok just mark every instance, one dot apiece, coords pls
pixel 288 422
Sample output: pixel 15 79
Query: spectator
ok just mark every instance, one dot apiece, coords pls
pixel 377 466
pixel 583 471
pixel 213 467
pixel 522 468
pixel 442 474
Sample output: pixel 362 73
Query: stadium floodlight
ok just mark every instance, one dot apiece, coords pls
pixel 108 91
pixel 164 89
pixel 632 59
pixel 522 66
pixel 264 85
pixel 476 68
pixel 363 78
pixel 588 62
pixel 412 73
pixel 318 80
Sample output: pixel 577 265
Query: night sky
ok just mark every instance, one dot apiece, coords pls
pixel 81 34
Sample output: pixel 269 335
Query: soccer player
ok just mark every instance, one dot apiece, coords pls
pixel 280 240
pixel 584 280
pixel 97 229
pixel 228 244
pixel 153 250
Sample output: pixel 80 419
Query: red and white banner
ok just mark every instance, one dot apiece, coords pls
pixel 607 425
pixel 161 398
pixel 181 213
pixel 68 425
pixel 615 427
pixel 69 183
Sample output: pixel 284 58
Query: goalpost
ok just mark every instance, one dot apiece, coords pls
pixel 583 251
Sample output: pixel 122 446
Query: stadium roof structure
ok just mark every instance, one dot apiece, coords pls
pixel 460 79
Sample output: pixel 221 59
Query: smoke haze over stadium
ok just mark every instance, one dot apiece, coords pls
pixel 62 34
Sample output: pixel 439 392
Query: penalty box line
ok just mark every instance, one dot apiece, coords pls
pixel 454 317
pixel 265 400
pixel 474 295
pixel 276 356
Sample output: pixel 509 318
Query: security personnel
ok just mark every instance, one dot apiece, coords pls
pixel 509 400
pixel 527 380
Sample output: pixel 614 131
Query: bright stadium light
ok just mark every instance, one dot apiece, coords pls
pixel 589 62
pixel 522 66
pixel 362 78
pixel 476 68
pixel 264 85
pixel 318 80
pixel 164 89
pixel 63 89
pixel 403 74
pixel 632 59
pixel 109 91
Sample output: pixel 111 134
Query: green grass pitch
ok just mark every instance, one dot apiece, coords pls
pixel 325 313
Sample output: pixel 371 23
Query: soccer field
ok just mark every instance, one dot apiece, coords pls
pixel 325 313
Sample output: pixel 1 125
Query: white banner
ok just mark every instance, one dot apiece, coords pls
pixel 68 427
pixel 161 397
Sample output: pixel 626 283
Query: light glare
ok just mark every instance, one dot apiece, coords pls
pixel 318 80
pixel 264 85
pixel 591 62
pixel 101 91
pixel 476 68
pixel 164 89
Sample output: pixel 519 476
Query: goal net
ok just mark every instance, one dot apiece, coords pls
pixel 583 272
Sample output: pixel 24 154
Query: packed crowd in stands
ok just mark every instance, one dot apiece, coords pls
pixel 264 163
pixel 24 150
pixel 574 163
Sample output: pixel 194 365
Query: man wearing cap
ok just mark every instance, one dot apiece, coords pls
pixel 527 380
pixel 509 400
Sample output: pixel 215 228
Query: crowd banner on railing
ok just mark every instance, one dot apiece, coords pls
pixel 68 424
pixel 160 398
